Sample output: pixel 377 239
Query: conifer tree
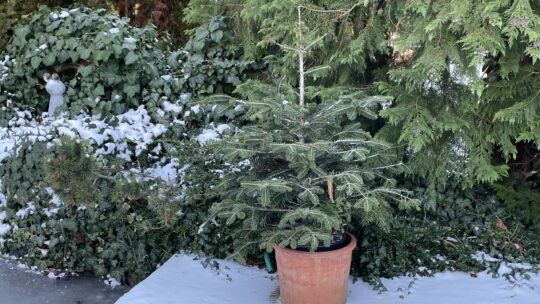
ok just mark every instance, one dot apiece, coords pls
pixel 467 97
pixel 311 163
pixel 463 74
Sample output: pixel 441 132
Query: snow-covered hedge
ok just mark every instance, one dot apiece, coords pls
pixel 126 114
pixel 114 235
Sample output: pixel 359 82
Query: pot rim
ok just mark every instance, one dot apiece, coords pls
pixel 349 247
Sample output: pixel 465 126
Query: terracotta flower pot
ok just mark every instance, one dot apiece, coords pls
pixel 314 277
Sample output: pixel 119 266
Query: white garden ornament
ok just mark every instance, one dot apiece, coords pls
pixel 56 89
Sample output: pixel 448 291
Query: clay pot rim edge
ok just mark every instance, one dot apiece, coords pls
pixel 349 247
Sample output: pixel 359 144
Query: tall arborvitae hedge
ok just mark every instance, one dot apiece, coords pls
pixel 463 74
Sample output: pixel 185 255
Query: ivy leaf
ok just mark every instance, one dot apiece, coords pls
pixel 213 26
pixel 87 70
pixel 22 32
pixel 97 56
pixel 131 58
pixel 71 43
pixel 131 90
pixel 85 53
pixel 217 35
pixel 201 33
pixel 198 45
pixel 99 90
pixel 35 62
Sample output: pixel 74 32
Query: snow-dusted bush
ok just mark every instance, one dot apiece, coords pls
pixel 139 151
pixel 80 236
pixel 107 65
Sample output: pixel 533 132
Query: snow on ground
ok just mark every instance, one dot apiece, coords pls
pixel 184 280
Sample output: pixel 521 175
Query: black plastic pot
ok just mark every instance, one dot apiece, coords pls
pixel 339 240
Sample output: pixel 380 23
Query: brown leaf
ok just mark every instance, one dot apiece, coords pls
pixel 500 225
pixel 330 189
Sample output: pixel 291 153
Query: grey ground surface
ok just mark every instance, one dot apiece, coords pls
pixel 20 287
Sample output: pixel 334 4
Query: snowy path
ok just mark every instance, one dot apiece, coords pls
pixel 20 287
pixel 183 280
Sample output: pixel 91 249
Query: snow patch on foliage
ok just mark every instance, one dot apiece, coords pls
pixel 484 257
pixel 55 199
pixel 212 133
pixel 55 202
pixel 130 40
pixel 4 227
pixel 29 210
pixel 3 200
pixel 166 170
pixel 42 47
pixel 171 107
pixel 4 69
pixel 201 226
pixel 63 14
pixel 108 136
pixel 170 172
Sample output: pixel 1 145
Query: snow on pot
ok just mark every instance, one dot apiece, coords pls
pixel 314 277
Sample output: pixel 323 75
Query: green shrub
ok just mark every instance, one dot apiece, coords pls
pixel 312 164
pixel 114 222
pixel 206 63
pixel 521 198
pixel 444 236
pixel 132 226
pixel 107 65
pixel 136 223
pixel 11 13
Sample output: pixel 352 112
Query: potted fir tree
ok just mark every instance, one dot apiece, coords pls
pixel 311 168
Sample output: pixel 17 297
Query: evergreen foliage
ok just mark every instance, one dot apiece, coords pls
pixel 10 14
pixel 207 63
pixel 448 236
pixel 520 199
pixel 122 224
pixel 469 88
pixel 74 200
pixel 299 194
pixel 348 35
pixel 101 58
pixel 461 75
pixel 72 158
pixel 462 72
pixel 312 166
